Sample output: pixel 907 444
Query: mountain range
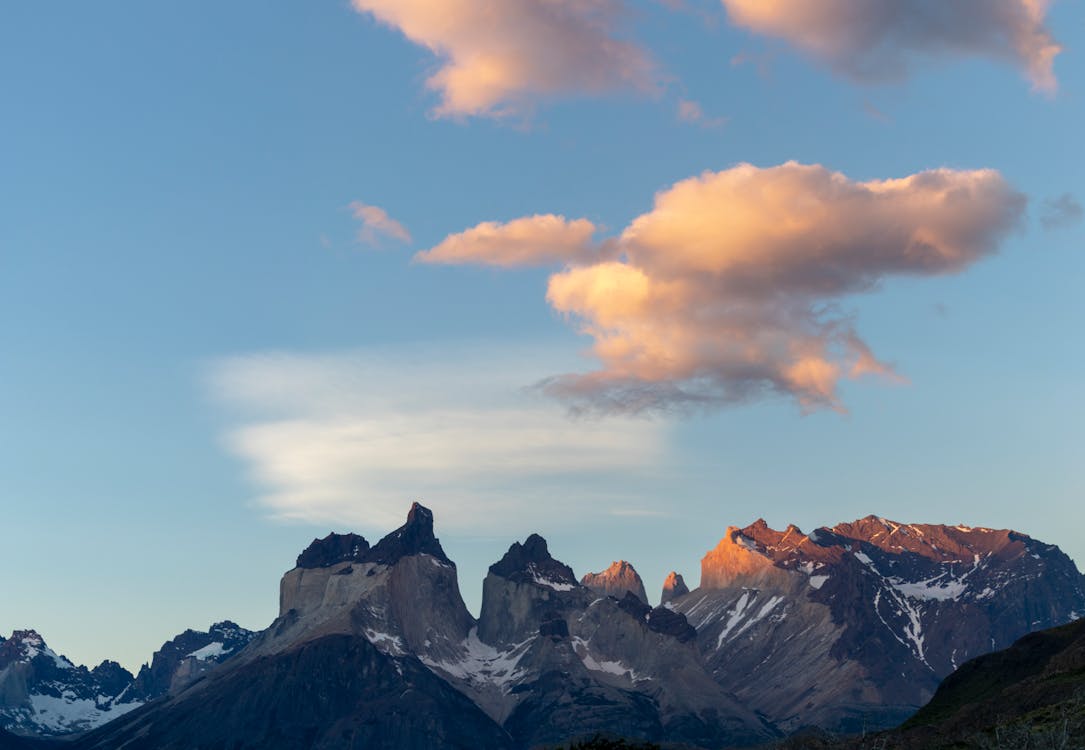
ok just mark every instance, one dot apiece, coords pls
pixel 845 628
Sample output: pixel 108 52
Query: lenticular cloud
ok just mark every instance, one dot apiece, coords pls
pixel 727 290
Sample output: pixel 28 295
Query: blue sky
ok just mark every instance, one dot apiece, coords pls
pixel 183 288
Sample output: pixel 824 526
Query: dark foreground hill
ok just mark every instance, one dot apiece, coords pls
pixel 1030 696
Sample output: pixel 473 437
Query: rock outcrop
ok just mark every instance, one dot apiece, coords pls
pixel 187 657
pixel 617 580
pixel 673 587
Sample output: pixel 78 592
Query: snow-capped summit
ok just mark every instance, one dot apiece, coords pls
pixel 43 693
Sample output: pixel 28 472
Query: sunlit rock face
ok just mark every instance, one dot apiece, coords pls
pixel 673 587
pixel 856 624
pixel 617 580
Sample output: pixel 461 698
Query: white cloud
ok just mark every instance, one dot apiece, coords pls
pixel 350 438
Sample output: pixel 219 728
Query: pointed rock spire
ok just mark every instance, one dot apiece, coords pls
pixel 617 580
pixel 674 587
pixel 412 538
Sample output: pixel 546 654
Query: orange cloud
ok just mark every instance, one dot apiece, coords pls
pixel 376 223
pixel 876 40
pixel 725 290
pixel 530 241
pixel 497 57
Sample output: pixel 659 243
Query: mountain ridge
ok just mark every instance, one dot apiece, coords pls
pixel 844 625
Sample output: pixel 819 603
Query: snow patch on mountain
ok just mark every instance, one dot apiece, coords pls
pixel 483 664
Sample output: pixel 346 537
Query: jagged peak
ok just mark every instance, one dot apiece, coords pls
pixel 616 569
pixel 415 537
pixel 333 549
pixel 617 580
pixel 532 561
pixel 28 636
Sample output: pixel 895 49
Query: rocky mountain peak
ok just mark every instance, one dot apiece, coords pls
pixel 673 587
pixel 935 542
pixel 27 645
pixel 740 554
pixel 334 549
pixel 532 561
pixel 415 537
pixel 617 580
pixel 29 638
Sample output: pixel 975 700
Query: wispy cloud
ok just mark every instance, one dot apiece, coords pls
pixel 497 59
pixel 727 289
pixel 350 437
pixel 692 113
pixel 1062 211
pixel 878 40
pixel 533 240
pixel 376 223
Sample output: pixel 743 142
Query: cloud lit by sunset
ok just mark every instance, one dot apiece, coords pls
pixel 495 58
pixel 881 39
pixel 724 291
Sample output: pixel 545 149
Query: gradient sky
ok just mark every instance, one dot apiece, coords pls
pixel 218 339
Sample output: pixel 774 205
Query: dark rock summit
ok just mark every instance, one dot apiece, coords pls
pixel 334 549
pixel 412 538
pixel 532 562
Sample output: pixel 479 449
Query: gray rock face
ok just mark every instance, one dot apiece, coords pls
pixel 384 636
pixel 617 580
pixel 856 625
pixel 552 659
pixel 342 665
